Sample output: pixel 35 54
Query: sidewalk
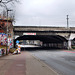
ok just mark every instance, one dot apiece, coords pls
pixel 13 64
pixel 23 64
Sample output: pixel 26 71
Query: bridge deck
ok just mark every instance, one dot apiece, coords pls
pixel 37 28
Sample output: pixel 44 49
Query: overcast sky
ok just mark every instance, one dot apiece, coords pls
pixel 45 12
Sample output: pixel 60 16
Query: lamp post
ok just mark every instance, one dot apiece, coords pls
pixel 7 32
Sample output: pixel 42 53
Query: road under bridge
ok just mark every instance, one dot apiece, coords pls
pixel 55 41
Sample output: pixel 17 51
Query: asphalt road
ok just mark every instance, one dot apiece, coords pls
pixel 63 62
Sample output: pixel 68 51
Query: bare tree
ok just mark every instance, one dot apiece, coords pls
pixel 5 2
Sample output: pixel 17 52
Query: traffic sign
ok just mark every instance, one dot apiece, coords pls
pixel 17 41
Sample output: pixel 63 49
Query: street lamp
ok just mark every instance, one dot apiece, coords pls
pixel 7 32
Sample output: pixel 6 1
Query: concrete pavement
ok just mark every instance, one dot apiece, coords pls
pixel 24 64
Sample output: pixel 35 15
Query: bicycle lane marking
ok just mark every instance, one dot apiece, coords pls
pixel 69 51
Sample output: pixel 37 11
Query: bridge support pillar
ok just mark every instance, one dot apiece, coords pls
pixel 71 37
pixel 69 44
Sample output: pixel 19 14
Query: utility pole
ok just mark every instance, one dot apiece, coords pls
pixel 7 32
pixel 67 22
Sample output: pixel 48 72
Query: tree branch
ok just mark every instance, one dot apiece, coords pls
pixel 0 1
pixel 7 1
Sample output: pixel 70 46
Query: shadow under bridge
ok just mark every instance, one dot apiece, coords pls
pixel 47 41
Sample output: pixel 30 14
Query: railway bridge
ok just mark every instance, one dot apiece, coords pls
pixel 49 36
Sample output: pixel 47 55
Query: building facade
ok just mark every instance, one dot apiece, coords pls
pixel 4 40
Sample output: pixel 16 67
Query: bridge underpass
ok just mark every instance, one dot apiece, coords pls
pixel 48 41
pixel 73 43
